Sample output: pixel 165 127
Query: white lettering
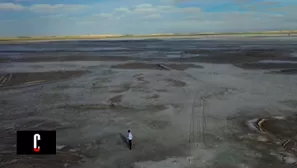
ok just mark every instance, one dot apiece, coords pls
pixel 36 138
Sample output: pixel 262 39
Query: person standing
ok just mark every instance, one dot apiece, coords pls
pixel 130 137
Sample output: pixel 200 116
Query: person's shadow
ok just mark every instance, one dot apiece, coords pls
pixel 124 139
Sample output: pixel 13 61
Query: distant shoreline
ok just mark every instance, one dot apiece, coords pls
pixel 150 36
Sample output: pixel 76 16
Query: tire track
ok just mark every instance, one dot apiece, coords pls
pixel 204 124
pixel 193 126
pixel 188 108
pixel 198 117
pixel 198 120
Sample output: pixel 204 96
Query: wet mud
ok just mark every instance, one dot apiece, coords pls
pixel 285 71
pixel 27 79
pixel 176 83
pixel 151 66
pixel 274 137
pixel 270 66
pixel 247 58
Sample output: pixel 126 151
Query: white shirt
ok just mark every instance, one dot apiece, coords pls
pixel 130 137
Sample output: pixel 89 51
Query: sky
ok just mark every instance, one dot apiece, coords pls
pixel 89 17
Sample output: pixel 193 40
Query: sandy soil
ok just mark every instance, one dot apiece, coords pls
pixel 220 115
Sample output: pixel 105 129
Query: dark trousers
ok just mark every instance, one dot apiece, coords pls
pixel 130 144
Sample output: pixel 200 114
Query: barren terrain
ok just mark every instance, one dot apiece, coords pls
pixel 188 103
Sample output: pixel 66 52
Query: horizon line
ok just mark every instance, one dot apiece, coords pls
pixel 154 34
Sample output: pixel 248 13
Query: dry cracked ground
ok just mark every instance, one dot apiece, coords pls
pixel 197 112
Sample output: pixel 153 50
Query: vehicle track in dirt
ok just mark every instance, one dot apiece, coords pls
pixel 198 117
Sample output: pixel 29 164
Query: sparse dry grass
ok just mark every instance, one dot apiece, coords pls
pixel 80 37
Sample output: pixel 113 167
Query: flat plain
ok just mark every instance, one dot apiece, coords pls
pixel 214 103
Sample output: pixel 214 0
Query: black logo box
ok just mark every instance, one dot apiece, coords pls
pixel 25 142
